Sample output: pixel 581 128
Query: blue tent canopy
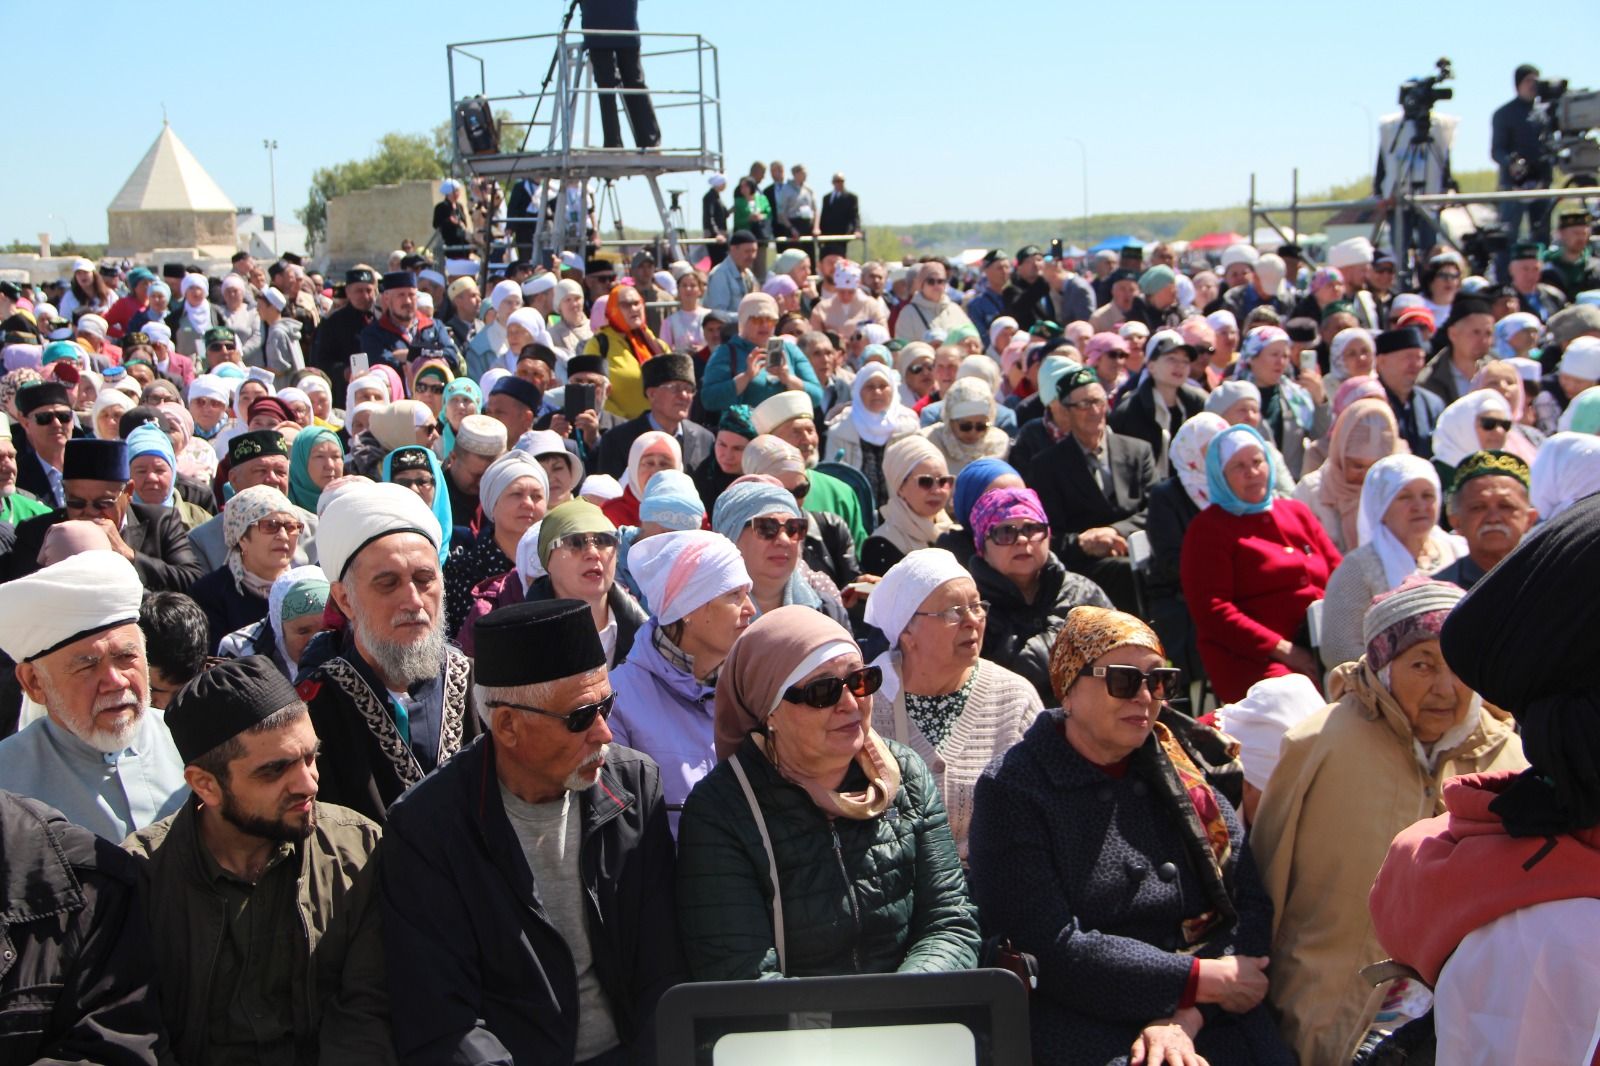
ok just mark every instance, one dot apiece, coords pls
pixel 1117 243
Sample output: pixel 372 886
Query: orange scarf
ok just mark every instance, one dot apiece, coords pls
pixel 642 342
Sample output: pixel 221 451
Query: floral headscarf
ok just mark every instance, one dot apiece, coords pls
pixel 1188 453
pixel 242 511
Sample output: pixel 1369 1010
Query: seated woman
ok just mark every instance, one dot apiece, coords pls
pixel 1480 421
pixel 699 594
pixel 625 343
pixel 1502 376
pixel 1239 404
pixel 153 473
pixel 967 429
pixel 578 552
pixel 1363 433
pixel 1174 503
pixel 872 420
pixel 461 398
pixel 1251 566
pixel 261 530
pixel 670 505
pixel 914 517
pixel 514 494
pixel 1098 847
pixel 815 847
pixel 829 548
pixel 315 459
pixel 417 468
pixel 1029 592
pixel 957 711
pixel 1348 779
pixel 1398 534
pixel 1350 355
pixel 979 477
pixel 651 451
pixel 1293 413
pixel 294 615
pixel 765 522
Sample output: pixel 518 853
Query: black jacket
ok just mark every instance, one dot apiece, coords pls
pixel 227 607
pixel 841 212
pixel 1171 510
pixel 1075 503
pixel 1020 634
pixel 696 442
pixel 1022 300
pixel 713 214
pixel 710 480
pixel 337 340
pixel 1155 317
pixel 74 947
pixel 829 548
pixel 1135 416
pixel 477 971
pixel 1033 439
pixel 163 556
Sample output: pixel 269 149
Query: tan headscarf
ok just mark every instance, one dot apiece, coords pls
pixel 1365 430
pixel 902 526
pixel 751 686
pixel 1089 633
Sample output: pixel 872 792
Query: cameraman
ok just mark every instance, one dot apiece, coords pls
pixel 1517 145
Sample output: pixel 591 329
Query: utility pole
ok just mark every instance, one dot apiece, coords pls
pixel 272 175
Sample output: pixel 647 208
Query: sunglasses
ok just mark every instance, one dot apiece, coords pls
pixel 920 368
pixel 429 428
pixel 768 528
pixel 1451 276
pixel 1122 682
pixel 1011 532
pixel 972 427
pixel 929 482
pixel 424 481
pixel 936 281
pixel 578 542
pixel 221 347
pixel 824 692
pixel 44 418
pixel 434 387
pixel 578 720
pixel 1487 423
pixel 271 527
pixel 105 505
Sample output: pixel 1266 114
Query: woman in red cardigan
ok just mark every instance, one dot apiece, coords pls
pixel 1251 565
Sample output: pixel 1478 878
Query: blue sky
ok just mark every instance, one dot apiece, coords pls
pixel 934 110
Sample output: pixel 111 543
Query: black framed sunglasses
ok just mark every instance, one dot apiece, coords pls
pixel 433 388
pixel 824 692
pixel 221 346
pixel 769 528
pixel 578 720
pixel 44 418
pixel 1491 424
pixel 421 481
pixel 1122 682
pixel 1011 532
pixel 929 482
pixel 972 427
pixel 578 542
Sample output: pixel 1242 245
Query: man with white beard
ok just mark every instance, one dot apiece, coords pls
pixel 388 696
pixel 101 756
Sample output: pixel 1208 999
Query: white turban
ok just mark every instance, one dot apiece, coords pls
pixel 209 387
pixel 158 332
pixel 775 410
pixel 535 285
pixel 505 470
pixel 75 598
pixel 1258 722
pixel 1239 253
pixel 504 291
pixel 365 513
pixel 1353 252
pixel 680 572
pixel 598 488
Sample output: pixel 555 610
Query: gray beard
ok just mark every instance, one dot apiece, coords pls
pixel 403 663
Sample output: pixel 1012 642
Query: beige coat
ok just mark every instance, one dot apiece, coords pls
pixel 1350 777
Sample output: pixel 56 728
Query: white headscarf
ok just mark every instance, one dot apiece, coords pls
pixel 1340 342
pixel 1188 452
pixel 1258 722
pixel 529 568
pixel 1566 470
pixel 876 428
pixel 368 381
pixel 679 572
pixel 1455 435
pixel 896 599
pixel 1383 483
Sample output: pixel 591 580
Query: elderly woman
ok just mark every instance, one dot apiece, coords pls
pixel 978 478
pixel 513 493
pixel 488 346
pixel 1028 591
pixel 1099 848
pixel 1479 421
pixel 830 548
pixel 914 363
pixel 1293 413
pixel 914 516
pixel 1251 565
pixel 805 785
pixel 699 594
pixel 1502 376
pixel 240 315
pixel 578 553
pixel 1363 433
pixel 1107 355
pixel 651 451
pixel 1397 535
pixel 461 397
pixel 295 606
pixel 109 406
pixel 930 306
pixel 872 420
pixel 315 459
pixel 742 370
pixel 1350 355
pixel 195 315
pixel 261 530
pixel 1356 774
pixel 571 332
pixel 626 344
pixel 967 429
pixel 1174 504
pixel 957 711
pixel 153 474
pixel 766 524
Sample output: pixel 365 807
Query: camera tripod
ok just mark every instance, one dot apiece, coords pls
pixel 1410 226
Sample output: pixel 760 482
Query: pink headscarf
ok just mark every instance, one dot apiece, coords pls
pixel 1516 443
pixel 397 388
pixel 1361 387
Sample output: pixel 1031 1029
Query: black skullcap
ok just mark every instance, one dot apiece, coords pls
pixel 538 351
pixel 224 700
pixel 1290 250
pixel 1525 250
pixel 1468 304
pixel 414 262
pixel 90 459
pixel 173 270
pixel 562 630
pixel 254 445
pixel 993 256
pixel 1301 330
pixel 1028 251
pixel 411 457
pixel 594 266
pixel 398 279
pixel 361 275
pixel 44 394
pixel 1395 340
pixel 135 417
pixel 1122 274
pixel 1572 218
pixel 741 236
pixel 524 392
pixel 1520 639
pixel 665 368
pixel 587 364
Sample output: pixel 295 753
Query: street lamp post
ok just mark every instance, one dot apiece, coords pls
pixel 272 175
pixel 1083 160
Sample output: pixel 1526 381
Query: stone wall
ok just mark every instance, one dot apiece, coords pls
pixel 365 226
pixel 131 233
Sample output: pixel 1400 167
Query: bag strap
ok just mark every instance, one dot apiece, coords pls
pixel 772 860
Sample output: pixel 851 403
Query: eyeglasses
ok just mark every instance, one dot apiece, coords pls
pixel 1122 682
pixel 577 542
pixel 919 368
pixel 271 527
pixel 1447 276
pixel 44 418
pixel 434 387
pixel 222 347
pixel 104 505
pixel 578 720
pixel 1011 532
pixel 769 528
pixel 1086 405
pixel 929 482
pixel 972 427
pixel 935 281
pixel 680 388
pixel 421 481
pixel 1114 355
pixel 954 616
pixel 824 692
pixel 1491 424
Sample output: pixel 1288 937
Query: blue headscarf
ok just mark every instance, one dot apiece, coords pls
pixel 457 387
pixel 303 492
pixel 441 493
pixel 971 482
pixel 751 499
pixel 151 439
pixel 1217 484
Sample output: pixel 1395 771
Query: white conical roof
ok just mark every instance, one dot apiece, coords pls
pixel 170 178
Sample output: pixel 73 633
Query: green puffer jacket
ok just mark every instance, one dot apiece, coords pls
pixel 876 896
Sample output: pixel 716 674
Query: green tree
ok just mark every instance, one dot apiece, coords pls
pixel 399 157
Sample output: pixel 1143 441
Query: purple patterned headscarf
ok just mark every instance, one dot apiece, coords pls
pixel 1003 505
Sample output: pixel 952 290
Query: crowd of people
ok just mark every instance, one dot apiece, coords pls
pixel 1127 618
